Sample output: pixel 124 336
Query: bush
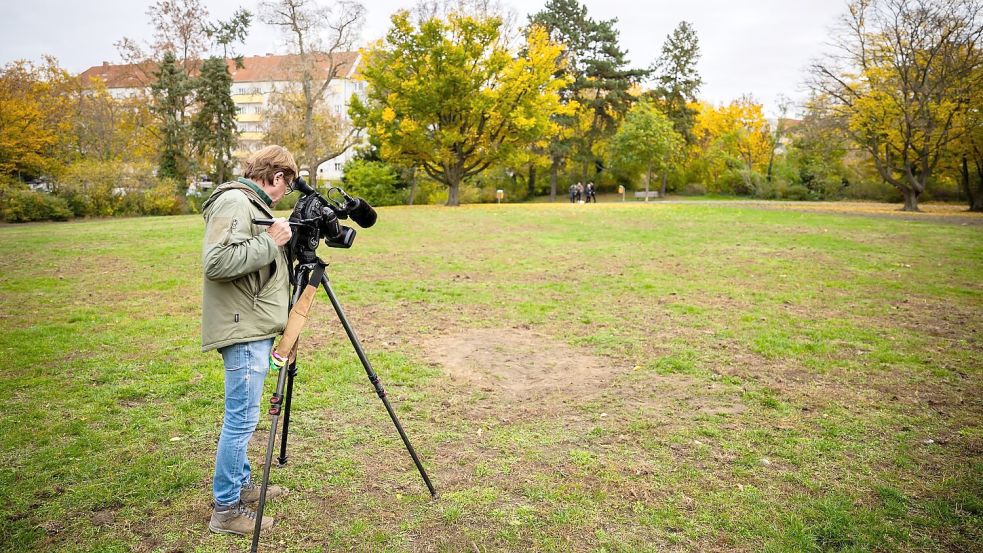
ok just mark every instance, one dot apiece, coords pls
pixel 21 206
pixel 375 181
pixel 798 192
pixel 161 199
pixel 693 189
pixel 871 189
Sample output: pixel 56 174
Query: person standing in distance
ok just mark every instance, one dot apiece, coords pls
pixel 245 299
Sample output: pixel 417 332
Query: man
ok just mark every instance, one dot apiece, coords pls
pixel 245 300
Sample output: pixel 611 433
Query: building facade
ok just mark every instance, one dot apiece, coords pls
pixel 253 87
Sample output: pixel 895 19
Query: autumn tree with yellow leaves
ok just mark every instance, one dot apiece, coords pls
pixel 733 141
pixel 897 82
pixel 35 118
pixel 448 95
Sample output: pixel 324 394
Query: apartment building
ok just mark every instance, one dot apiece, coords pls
pixel 253 85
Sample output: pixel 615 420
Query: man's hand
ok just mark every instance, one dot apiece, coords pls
pixel 280 231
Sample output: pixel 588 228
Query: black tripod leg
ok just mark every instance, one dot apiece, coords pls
pixel 276 402
pixel 291 372
pixel 375 382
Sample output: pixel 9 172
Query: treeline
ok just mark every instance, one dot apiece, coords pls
pixel 71 148
pixel 462 101
pixel 455 98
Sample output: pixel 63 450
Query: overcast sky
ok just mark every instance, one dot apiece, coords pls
pixel 758 47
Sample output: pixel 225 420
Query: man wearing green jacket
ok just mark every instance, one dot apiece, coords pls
pixel 246 294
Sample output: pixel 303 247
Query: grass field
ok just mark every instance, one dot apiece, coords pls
pixel 575 378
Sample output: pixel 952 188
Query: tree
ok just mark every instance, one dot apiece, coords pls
pixel 106 128
pixel 319 62
pixel 646 143
pixel 676 79
pixel 784 103
pixel 449 98
pixel 818 150
pixel 967 147
pixel 597 91
pixel 170 92
pixel 287 124
pixel 213 126
pixel 35 121
pixel 895 87
pixel 732 140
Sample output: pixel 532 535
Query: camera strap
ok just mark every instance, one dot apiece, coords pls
pixel 298 316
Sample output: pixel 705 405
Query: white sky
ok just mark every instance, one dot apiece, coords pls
pixel 758 47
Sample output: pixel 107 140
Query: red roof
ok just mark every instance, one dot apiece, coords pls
pixel 255 69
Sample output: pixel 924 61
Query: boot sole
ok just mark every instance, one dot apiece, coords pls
pixel 216 530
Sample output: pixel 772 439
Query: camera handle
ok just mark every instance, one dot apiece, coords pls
pixel 308 278
pixel 268 222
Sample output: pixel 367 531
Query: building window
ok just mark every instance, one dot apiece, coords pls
pixel 337 167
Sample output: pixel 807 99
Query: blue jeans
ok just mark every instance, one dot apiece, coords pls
pixel 246 365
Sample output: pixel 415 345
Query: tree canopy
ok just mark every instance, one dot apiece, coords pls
pixel 449 97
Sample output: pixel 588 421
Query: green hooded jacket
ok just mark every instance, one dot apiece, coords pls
pixel 245 294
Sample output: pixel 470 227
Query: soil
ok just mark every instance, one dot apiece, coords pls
pixel 517 362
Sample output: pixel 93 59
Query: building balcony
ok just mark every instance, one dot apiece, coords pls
pixel 250 135
pixel 249 117
pixel 247 98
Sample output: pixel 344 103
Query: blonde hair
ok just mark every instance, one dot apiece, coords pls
pixel 262 165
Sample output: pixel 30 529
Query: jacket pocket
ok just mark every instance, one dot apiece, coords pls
pixel 275 278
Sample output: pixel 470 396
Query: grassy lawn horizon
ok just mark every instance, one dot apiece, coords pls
pixel 619 377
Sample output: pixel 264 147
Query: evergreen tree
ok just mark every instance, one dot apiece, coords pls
pixel 600 77
pixel 213 127
pixel 676 79
pixel 170 91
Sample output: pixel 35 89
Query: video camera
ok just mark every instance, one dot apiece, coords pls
pixel 316 216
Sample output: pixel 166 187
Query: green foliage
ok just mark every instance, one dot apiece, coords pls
pixel 646 143
pixel 160 199
pixel 598 80
pixel 213 126
pixel 677 79
pixel 170 93
pixel 110 188
pixel 375 181
pixel 22 206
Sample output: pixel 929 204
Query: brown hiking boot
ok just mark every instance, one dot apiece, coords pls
pixel 236 519
pixel 250 492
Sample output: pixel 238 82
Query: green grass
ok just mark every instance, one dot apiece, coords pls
pixel 779 381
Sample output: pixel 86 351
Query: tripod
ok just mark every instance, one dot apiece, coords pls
pixel 307 278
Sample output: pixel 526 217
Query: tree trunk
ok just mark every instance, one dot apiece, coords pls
pixel 665 177
pixel 973 195
pixel 554 169
pixel 977 204
pixel 452 188
pixel 910 199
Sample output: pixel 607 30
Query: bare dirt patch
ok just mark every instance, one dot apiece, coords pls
pixel 517 362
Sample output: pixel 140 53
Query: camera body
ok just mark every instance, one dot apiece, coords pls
pixel 315 217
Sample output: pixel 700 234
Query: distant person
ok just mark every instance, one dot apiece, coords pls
pixel 591 195
pixel 573 193
pixel 580 193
